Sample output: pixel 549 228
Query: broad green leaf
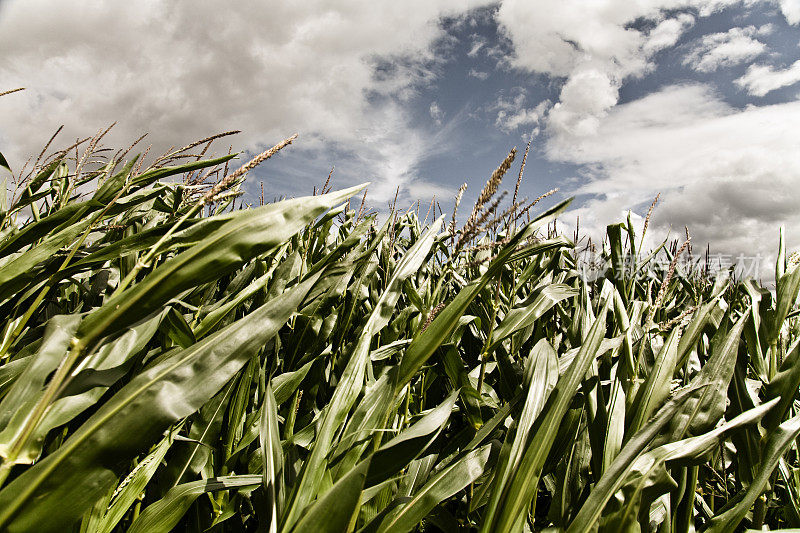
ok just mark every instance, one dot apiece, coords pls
pixel 155 174
pixel 441 486
pixel 531 310
pixel 784 386
pixel 333 511
pixel 16 409
pixel 78 472
pixel 614 476
pixel 657 387
pixel 245 235
pixel 708 407
pixel 521 490
pixel 648 477
pixel 131 487
pixel 409 444
pixel 163 515
pixel 96 374
pixel 774 448
pixel 541 371
pixel 352 381
pixel 787 288
pixel 20 271
pixel 446 321
pixel 273 458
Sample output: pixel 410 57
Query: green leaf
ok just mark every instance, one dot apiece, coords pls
pixel 61 487
pixel 648 477
pixel 446 321
pixel 20 271
pixel 787 288
pixel 131 487
pixel 409 444
pixel 352 380
pixel 441 486
pixel 541 301
pixel 657 387
pixel 155 174
pixel 783 386
pixel 16 409
pixel 334 511
pixel 163 515
pixel 4 163
pixel 243 236
pixel 774 448
pixel 614 476
pixel 521 490
pixel 541 370
pixel 273 458
pixel 708 407
pixel 96 374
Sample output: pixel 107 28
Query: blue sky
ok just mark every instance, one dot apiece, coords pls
pixel 693 99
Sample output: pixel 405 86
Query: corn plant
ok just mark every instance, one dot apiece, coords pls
pixel 172 360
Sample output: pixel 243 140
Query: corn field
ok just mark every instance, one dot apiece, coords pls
pixel 173 359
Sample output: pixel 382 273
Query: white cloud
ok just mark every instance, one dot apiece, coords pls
pixel 595 42
pixel 725 49
pixel 426 190
pixel 479 74
pixel 477 44
pixel 760 80
pixel 269 69
pixel 582 42
pixel 436 113
pixel 791 10
pixel 667 33
pixel 766 29
pixel 554 36
pixel 724 172
pixel 585 99
pixel 732 175
pixel 511 113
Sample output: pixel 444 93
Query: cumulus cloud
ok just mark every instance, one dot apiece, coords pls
pixel 333 71
pixel 592 42
pixel 791 10
pixel 554 37
pixel 725 49
pixel 683 141
pixel 586 97
pixel 603 44
pixel 760 80
pixel 730 174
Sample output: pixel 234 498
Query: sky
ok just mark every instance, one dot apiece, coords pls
pixel 698 100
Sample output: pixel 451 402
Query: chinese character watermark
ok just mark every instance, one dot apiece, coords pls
pixel 592 265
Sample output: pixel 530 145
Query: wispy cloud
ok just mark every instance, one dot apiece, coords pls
pixel 478 43
pixel 512 112
pixel 479 74
pixel 725 49
pixel 760 80
pixel 436 113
